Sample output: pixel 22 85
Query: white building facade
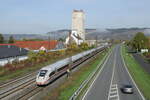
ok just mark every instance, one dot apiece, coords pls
pixel 78 21
pixel 77 29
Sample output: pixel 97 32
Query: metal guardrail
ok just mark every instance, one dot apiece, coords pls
pixel 77 92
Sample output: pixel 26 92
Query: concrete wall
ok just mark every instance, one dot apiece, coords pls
pixel 78 18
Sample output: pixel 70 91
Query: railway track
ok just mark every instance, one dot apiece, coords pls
pixel 16 89
pixel 6 84
pixel 31 93
pixel 25 90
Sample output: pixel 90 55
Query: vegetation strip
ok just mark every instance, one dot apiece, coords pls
pixel 65 91
pixel 36 61
pixel 141 77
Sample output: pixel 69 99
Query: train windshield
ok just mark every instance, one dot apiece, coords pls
pixel 43 73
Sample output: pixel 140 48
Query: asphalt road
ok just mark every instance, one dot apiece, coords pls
pixel 144 64
pixel 109 81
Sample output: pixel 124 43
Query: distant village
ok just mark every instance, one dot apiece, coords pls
pixel 19 49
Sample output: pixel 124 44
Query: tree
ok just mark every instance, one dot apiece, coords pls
pixel 11 39
pixel 149 42
pixel 61 40
pixel 32 56
pixel 73 47
pixel 1 38
pixel 84 46
pixel 140 41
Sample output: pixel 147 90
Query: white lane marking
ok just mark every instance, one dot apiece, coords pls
pixel 114 96
pixel 131 76
pixel 113 93
pixel 113 90
pixel 97 76
pixel 113 87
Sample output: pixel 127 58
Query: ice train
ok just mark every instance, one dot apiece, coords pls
pixel 51 72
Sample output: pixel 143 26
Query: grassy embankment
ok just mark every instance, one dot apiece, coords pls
pixel 66 90
pixel 141 77
pixel 5 74
pixel 22 72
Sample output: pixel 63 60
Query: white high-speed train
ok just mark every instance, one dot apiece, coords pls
pixel 51 72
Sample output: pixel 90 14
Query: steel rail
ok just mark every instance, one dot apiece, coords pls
pixel 17 88
pixel 16 80
pixel 35 89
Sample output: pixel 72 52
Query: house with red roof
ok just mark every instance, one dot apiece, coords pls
pixel 19 49
pixel 38 45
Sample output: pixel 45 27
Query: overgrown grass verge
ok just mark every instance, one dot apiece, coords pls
pixel 29 69
pixel 22 72
pixel 141 77
pixel 66 90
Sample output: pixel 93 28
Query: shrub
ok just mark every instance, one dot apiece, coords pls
pixel 10 67
pixel 147 54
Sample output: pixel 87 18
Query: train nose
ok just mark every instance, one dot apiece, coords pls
pixel 40 80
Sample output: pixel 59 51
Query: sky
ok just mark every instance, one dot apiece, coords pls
pixel 41 16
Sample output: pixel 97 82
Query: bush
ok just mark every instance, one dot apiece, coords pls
pixel 84 46
pixel 140 41
pixel 2 71
pixel 35 59
pixel 10 67
pixel 147 54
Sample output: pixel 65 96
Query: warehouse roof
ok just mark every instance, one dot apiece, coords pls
pixel 8 50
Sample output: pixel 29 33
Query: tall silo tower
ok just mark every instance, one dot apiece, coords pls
pixel 78 18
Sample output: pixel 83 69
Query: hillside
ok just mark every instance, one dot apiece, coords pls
pixel 120 33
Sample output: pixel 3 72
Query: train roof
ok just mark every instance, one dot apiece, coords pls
pixel 66 61
pixel 56 65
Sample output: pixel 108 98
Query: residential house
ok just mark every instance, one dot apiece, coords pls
pixel 37 45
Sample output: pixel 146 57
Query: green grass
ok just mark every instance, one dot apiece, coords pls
pixel 82 75
pixel 21 72
pixel 24 71
pixel 141 77
pixel 65 91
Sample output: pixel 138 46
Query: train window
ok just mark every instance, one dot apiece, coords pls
pixel 42 73
pixel 52 73
pixel 61 68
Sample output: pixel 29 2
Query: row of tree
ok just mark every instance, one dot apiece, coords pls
pixel 139 41
pixel 2 40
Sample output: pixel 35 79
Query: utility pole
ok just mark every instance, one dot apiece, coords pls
pixel 54 37
pixel 70 37
pixel 49 42
pixel 70 58
pixel 96 40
